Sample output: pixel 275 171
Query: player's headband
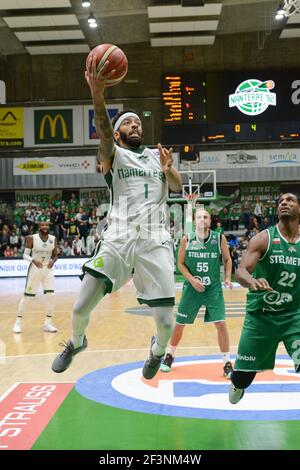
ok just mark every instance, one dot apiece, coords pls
pixel 122 118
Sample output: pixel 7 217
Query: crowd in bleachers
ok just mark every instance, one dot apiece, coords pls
pixel 77 225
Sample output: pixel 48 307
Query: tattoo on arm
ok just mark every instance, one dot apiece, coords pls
pixel 105 132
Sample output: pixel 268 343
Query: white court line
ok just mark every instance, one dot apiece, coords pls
pixel 114 350
pixel 8 392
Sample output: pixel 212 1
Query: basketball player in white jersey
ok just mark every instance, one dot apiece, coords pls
pixel 136 239
pixel 41 252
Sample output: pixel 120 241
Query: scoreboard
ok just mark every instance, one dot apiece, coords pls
pixel 231 107
pixel 184 99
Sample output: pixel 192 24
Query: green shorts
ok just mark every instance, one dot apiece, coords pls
pixel 261 334
pixel 191 302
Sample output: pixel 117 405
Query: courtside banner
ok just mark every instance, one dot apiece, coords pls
pixel 62 267
pixel 90 133
pixel 54 166
pixel 53 126
pixel 247 158
pixel 11 127
pixel 26 410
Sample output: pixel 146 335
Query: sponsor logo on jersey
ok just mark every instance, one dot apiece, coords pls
pixel 98 263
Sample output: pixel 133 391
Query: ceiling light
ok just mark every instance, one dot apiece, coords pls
pixel 85 3
pixel 91 19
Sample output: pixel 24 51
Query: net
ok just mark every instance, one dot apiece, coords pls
pixel 291 6
pixel 191 199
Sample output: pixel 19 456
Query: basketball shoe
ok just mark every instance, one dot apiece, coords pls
pixel 64 359
pixel 235 394
pixel 227 369
pixel 48 327
pixel 152 364
pixel 17 328
pixel 167 363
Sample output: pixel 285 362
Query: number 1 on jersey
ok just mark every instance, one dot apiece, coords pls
pixel 146 187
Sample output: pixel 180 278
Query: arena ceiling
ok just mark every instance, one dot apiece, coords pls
pixel 61 26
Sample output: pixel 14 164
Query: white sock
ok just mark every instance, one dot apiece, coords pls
pixel 25 300
pixel 163 317
pixel 226 357
pixel 49 300
pixel 92 290
pixel 171 350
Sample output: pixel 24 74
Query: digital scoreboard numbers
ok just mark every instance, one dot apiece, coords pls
pixel 172 99
pixel 231 107
pixel 184 99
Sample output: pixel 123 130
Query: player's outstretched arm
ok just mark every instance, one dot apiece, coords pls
pixel 227 261
pixel 172 175
pixel 96 81
pixel 257 247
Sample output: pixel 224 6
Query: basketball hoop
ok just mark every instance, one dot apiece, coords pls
pixel 191 199
pixel 290 7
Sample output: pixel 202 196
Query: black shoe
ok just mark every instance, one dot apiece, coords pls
pixel 167 363
pixel 64 359
pixel 152 364
pixel 228 369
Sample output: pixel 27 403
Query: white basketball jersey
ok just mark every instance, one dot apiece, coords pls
pixel 138 188
pixel 42 251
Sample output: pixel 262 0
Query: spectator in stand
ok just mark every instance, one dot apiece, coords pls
pixel 90 243
pixel 73 230
pixel 258 210
pixel 54 227
pixel 219 228
pixel 270 211
pixel 93 219
pixel 8 252
pixel 254 228
pixel 224 218
pixel 65 226
pixel 84 225
pixel 14 240
pixel 77 246
pixel 4 240
pixel 234 258
pixel 17 215
pixel 234 216
pixel 214 218
pixel 16 252
pixel 66 249
pixel 57 201
pixel 246 213
pixel 60 221
pixel 79 215
pixel 265 223
pixel 73 204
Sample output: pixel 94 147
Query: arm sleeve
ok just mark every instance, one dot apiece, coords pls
pixel 26 255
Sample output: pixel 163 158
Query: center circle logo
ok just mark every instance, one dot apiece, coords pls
pixel 196 388
pixel 253 97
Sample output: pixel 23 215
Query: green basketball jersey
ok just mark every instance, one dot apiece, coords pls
pixel 203 258
pixel 280 265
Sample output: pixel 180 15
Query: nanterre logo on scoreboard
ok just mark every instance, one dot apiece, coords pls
pixel 253 97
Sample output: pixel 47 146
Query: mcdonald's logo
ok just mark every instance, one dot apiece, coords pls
pixel 53 126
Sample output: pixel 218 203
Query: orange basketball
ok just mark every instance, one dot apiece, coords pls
pixel 117 60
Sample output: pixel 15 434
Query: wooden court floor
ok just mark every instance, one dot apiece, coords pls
pixel 119 334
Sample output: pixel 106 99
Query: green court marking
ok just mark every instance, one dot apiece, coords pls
pixel 83 424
